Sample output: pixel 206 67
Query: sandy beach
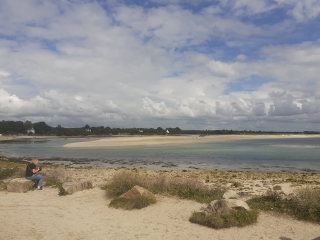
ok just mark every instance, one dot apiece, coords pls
pixel 167 139
pixel 86 215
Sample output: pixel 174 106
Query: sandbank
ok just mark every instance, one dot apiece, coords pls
pixel 167 139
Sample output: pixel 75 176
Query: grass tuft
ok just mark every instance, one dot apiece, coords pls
pixel 62 191
pixel 53 177
pixel 129 204
pixel 122 182
pixel 235 218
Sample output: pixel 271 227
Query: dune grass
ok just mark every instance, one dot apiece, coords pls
pixel 183 188
pixel 303 205
pixel 129 204
pixel 7 172
pixel 235 218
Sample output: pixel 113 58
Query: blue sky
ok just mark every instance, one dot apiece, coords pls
pixel 194 64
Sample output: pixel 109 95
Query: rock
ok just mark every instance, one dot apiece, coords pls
pixel 227 205
pixel 20 185
pixel 277 187
pixel 72 187
pixel 230 194
pixel 137 191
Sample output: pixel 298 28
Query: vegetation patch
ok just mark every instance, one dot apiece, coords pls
pixel 186 188
pixel 304 205
pixel 129 204
pixel 235 218
pixel 122 182
pixel 7 172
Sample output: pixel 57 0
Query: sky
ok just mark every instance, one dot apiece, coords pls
pixel 193 64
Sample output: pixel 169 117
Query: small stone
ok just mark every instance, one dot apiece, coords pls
pixel 277 187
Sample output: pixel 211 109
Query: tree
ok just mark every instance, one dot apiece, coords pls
pixel 42 128
pixel 160 130
pixel 27 125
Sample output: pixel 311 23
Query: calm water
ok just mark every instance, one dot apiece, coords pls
pixel 294 155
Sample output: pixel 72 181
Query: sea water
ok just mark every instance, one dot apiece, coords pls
pixel 287 154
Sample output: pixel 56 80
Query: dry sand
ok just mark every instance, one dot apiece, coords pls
pixel 86 215
pixel 167 139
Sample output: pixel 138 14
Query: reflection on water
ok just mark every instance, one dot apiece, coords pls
pixel 266 155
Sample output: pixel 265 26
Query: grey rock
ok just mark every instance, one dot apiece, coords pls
pixel 227 205
pixel 19 185
pixel 72 187
pixel 137 191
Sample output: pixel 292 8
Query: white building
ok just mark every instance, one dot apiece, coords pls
pixel 31 131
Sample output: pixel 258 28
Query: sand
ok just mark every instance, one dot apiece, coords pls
pixel 167 139
pixel 86 215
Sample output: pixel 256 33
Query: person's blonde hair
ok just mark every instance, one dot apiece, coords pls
pixel 34 161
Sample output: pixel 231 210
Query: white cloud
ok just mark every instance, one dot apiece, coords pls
pixel 76 63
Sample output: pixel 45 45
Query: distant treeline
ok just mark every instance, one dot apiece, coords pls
pixel 41 128
pixel 230 132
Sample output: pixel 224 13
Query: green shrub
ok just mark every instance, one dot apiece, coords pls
pixel 130 204
pixel 53 177
pixel 194 190
pixel 62 191
pixel 3 186
pixel 7 172
pixel 271 201
pixel 235 218
pixel 304 205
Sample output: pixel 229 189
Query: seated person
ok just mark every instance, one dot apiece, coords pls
pixel 31 173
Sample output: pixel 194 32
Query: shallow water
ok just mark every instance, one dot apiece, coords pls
pixel 292 155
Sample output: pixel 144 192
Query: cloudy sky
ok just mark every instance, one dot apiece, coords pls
pixel 193 64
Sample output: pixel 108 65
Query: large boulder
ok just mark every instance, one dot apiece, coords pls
pixel 136 192
pixel 20 185
pixel 72 187
pixel 226 205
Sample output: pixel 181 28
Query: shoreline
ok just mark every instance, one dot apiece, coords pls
pixel 155 166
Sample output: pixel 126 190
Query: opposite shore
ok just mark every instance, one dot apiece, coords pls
pixel 180 139
pixel 137 140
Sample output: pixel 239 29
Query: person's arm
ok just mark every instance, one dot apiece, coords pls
pixel 35 170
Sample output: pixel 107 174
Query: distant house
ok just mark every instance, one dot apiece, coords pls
pixel 31 131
